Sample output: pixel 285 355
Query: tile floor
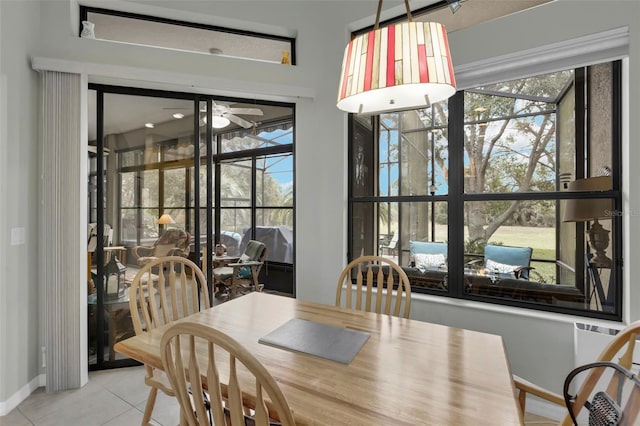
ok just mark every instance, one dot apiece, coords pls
pixel 113 398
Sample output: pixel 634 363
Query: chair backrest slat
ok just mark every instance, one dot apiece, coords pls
pixel 269 399
pixel 215 393
pixel 380 283
pixel 389 300
pixel 369 291
pixel 159 296
pixel 235 394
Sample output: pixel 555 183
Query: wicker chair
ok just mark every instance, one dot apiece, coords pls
pixel 173 242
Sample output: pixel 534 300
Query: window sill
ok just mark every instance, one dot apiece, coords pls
pixel 511 310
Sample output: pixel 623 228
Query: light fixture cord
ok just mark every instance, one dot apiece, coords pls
pixel 406 5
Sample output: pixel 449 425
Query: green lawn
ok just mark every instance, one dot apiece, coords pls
pixel 541 240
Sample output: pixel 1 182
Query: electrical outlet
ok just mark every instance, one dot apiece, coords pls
pixel 17 236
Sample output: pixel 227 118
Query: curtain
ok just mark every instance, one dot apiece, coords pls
pixel 61 250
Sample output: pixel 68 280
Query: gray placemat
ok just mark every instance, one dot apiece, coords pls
pixel 313 338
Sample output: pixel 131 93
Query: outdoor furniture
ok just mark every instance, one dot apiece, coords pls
pixel 173 242
pixel 391 246
pixel 185 371
pixel 388 278
pixel 428 254
pixel 506 260
pixel 620 350
pixel 163 291
pixel 241 276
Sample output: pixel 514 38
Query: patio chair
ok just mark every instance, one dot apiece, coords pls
pixel 506 260
pixel 173 242
pixel 392 246
pixel 242 276
pixel 428 254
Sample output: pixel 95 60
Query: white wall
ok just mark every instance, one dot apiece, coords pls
pixel 19 318
pixel 540 345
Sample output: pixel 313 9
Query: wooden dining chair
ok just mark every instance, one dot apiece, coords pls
pixel 181 346
pixel 620 350
pixel 164 290
pixel 379 276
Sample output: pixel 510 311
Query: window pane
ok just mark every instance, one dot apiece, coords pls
pixel 424 244
pixel 413 153
pixel 132 158
pixel 235 185
pixel 254 137
pixel 149 225
pixel 129 228
pixel 128 189
pixel 364 241
pixel 401 223
pixel 389 155
pixel 574 272
pixel 424 164
pixel 187 37
pixel 274 180
pixel 203 187
pixel 510 135
pixel 362 157
pixel 282 217
pixel 175 188
pixel 235 220
pixel 149 188
pixel 181 150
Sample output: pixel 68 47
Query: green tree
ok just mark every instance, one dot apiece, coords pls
pixel 510 145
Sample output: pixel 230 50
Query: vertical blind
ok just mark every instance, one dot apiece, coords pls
pixel 60 250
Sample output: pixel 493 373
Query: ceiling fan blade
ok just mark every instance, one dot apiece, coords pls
pixel 239 121
pixel 245 111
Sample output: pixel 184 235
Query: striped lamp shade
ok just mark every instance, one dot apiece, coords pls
pixel 399 67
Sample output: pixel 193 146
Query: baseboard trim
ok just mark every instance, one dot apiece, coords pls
pixel 7 406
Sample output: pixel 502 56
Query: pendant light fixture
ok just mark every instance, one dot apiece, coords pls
pixel 399 67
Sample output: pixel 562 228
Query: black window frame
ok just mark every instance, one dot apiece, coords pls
pixel 85 10
pixel 456 198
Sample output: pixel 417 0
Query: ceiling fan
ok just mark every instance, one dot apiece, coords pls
pixel 231 114
pixel 224 115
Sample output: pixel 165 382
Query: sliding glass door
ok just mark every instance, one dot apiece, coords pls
pixel 164 164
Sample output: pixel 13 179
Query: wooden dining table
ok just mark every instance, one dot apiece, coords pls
pixel 407 373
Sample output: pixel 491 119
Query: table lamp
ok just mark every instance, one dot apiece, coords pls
pixel 588 209
pixel 166 219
